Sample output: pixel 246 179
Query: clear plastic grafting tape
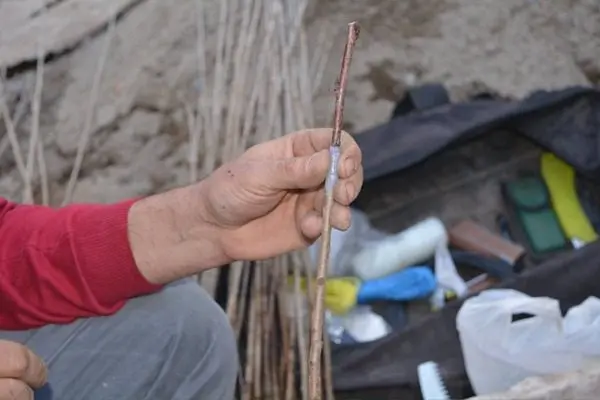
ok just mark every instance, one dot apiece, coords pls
pixel 332 176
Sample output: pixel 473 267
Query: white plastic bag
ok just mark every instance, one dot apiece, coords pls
pixel 447 277
pixel 362 324
pixel 500 353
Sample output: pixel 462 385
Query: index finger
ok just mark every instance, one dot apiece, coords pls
pixel 18 362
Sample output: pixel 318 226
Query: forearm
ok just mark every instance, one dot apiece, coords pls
pixel 85 260
pixel 170 238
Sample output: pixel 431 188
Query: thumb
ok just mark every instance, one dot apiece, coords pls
pixel 301 172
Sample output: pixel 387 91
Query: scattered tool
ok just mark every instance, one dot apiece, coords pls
pixel 529 205
pixel 431 382
pixel 469 235
pixel 560 180
pixel 342 294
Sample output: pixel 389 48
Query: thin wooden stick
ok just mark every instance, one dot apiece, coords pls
pixel 43 173
pixel 18 114
pixel 12 134
pixel 270 279
pixel 320 60
pixel 257 382
pixel 243 298
pixel 283 300
pixel 290 384
pixel 88 127
pixel 250 342
pixel 235 277
pixel 302 349
pixel 316 330
pixel 35 129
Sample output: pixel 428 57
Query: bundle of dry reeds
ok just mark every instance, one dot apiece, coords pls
pixel 258 81
pixel 263 84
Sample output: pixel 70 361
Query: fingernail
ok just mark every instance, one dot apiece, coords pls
pixel 349 166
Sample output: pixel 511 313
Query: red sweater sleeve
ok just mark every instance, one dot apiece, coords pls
pixel 57 265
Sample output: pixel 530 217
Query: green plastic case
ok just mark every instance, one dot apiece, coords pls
pixel 532 207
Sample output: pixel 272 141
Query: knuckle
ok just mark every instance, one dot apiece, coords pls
pixel 360 178
pixel 17 361
pixel 291 167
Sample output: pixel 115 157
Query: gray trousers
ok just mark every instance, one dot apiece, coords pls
pixel 173 345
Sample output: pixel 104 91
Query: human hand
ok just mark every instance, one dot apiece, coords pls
pixel 21 371
pixel 269 201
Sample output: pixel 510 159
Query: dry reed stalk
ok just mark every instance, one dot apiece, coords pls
pixel 90 113
pixel 245 283
pixel 257 94
pixel 219 80
pixel 276 388
pixel 250 348
pixel 247 37
pixel 257 381
pixel 286 87
pixel 194 137
pixel 279 278
pixel 316 329
pixel 302 345
pixel 11 134
pixel 43 174
pixel 19 113
pixel 284 339
pixel 203 110
pixel 212 109
pixel 290 384
pixel 235 279
pixel 304 83
pixel 35 124
pixel 285 325
pixel 260 88
pixel 321 58
pixel 203 123
pixel 233 143
pixel 271 281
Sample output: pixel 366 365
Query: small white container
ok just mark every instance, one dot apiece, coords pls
pixel 407 248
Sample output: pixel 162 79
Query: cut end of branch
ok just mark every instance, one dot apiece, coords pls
pixel 354 30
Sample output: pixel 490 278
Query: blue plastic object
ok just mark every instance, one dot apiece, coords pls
pixel 410 284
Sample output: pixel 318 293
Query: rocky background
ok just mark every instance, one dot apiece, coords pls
pixel 138 137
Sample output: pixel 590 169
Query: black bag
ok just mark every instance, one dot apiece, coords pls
pixel 474 136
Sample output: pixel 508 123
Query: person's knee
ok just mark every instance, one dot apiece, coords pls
pixel 198 341
pixel 199 324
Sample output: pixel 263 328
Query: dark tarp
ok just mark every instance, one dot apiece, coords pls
pixel 565 122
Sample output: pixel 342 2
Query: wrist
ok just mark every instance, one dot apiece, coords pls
pixel 171 238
